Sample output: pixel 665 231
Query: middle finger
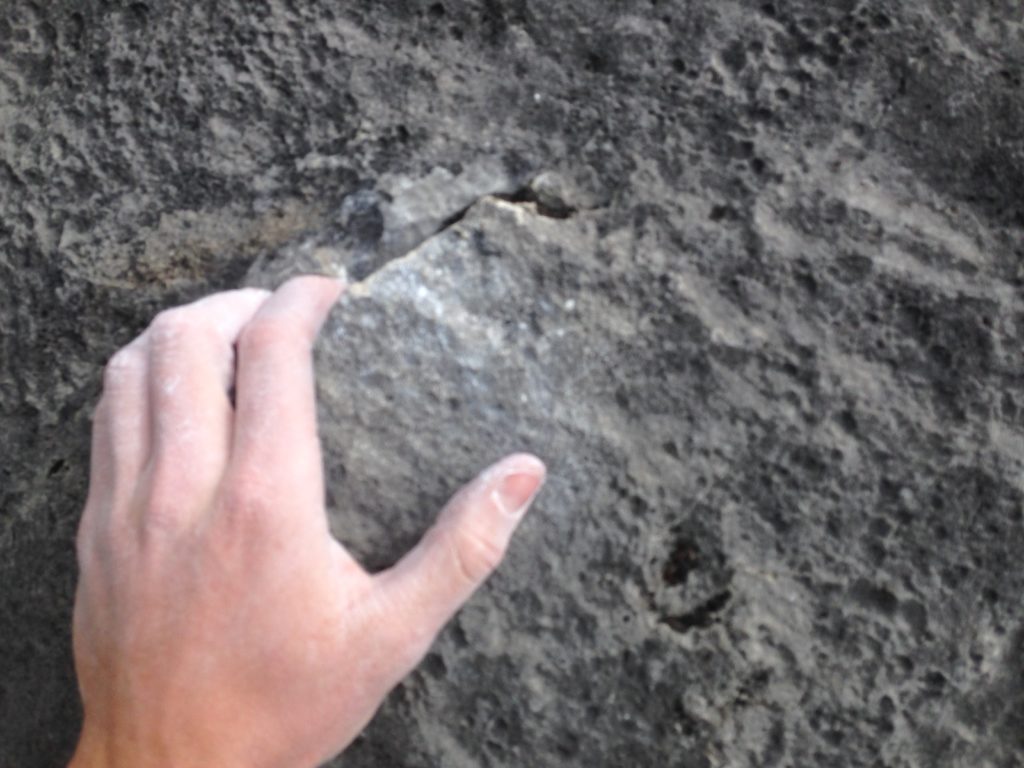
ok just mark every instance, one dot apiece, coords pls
pixel 191 372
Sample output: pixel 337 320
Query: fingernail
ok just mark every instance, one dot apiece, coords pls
pixel 515 492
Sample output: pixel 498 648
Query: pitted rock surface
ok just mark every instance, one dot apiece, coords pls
pixel 747 275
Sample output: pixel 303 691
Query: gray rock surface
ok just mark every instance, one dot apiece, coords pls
pixel 746 274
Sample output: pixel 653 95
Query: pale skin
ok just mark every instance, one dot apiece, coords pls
pixel 217 621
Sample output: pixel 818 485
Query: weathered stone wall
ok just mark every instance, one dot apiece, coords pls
pixel 747 275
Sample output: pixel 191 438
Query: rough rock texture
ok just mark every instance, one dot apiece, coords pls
pixel 747 274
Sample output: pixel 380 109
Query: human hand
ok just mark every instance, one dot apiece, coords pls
pixel 217 622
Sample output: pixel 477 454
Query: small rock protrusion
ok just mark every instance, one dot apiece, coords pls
pixel 552 195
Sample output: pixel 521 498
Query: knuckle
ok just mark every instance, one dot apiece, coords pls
pixel 475 554
pixel 162 515
pixel 169 502
pixel 124 365
pixel 245 503
pixel 261 294
pixel 171 325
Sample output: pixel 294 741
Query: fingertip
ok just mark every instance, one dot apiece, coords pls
pixel 323 286
pixel 516 463
pixel 308 298
pixel 332 286
pixel 512 484
pixel 330 291
pixel 528 462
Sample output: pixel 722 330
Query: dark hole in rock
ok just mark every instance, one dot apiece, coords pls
pixel 701 617
pixel 682 561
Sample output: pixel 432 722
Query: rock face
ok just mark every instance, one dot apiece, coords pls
pixel 746 275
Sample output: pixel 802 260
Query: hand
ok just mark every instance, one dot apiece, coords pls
pixel 217 622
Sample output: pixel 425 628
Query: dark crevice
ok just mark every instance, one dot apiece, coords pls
pixel 683 560
pixel 454 219
pixel 550 208
pixel 701 617
pixel 369 260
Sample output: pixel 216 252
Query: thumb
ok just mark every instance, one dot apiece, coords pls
pixel 468 541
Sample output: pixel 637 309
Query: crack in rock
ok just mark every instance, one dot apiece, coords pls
pixel 375 226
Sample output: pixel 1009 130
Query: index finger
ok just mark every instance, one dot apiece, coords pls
pixel 275 395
